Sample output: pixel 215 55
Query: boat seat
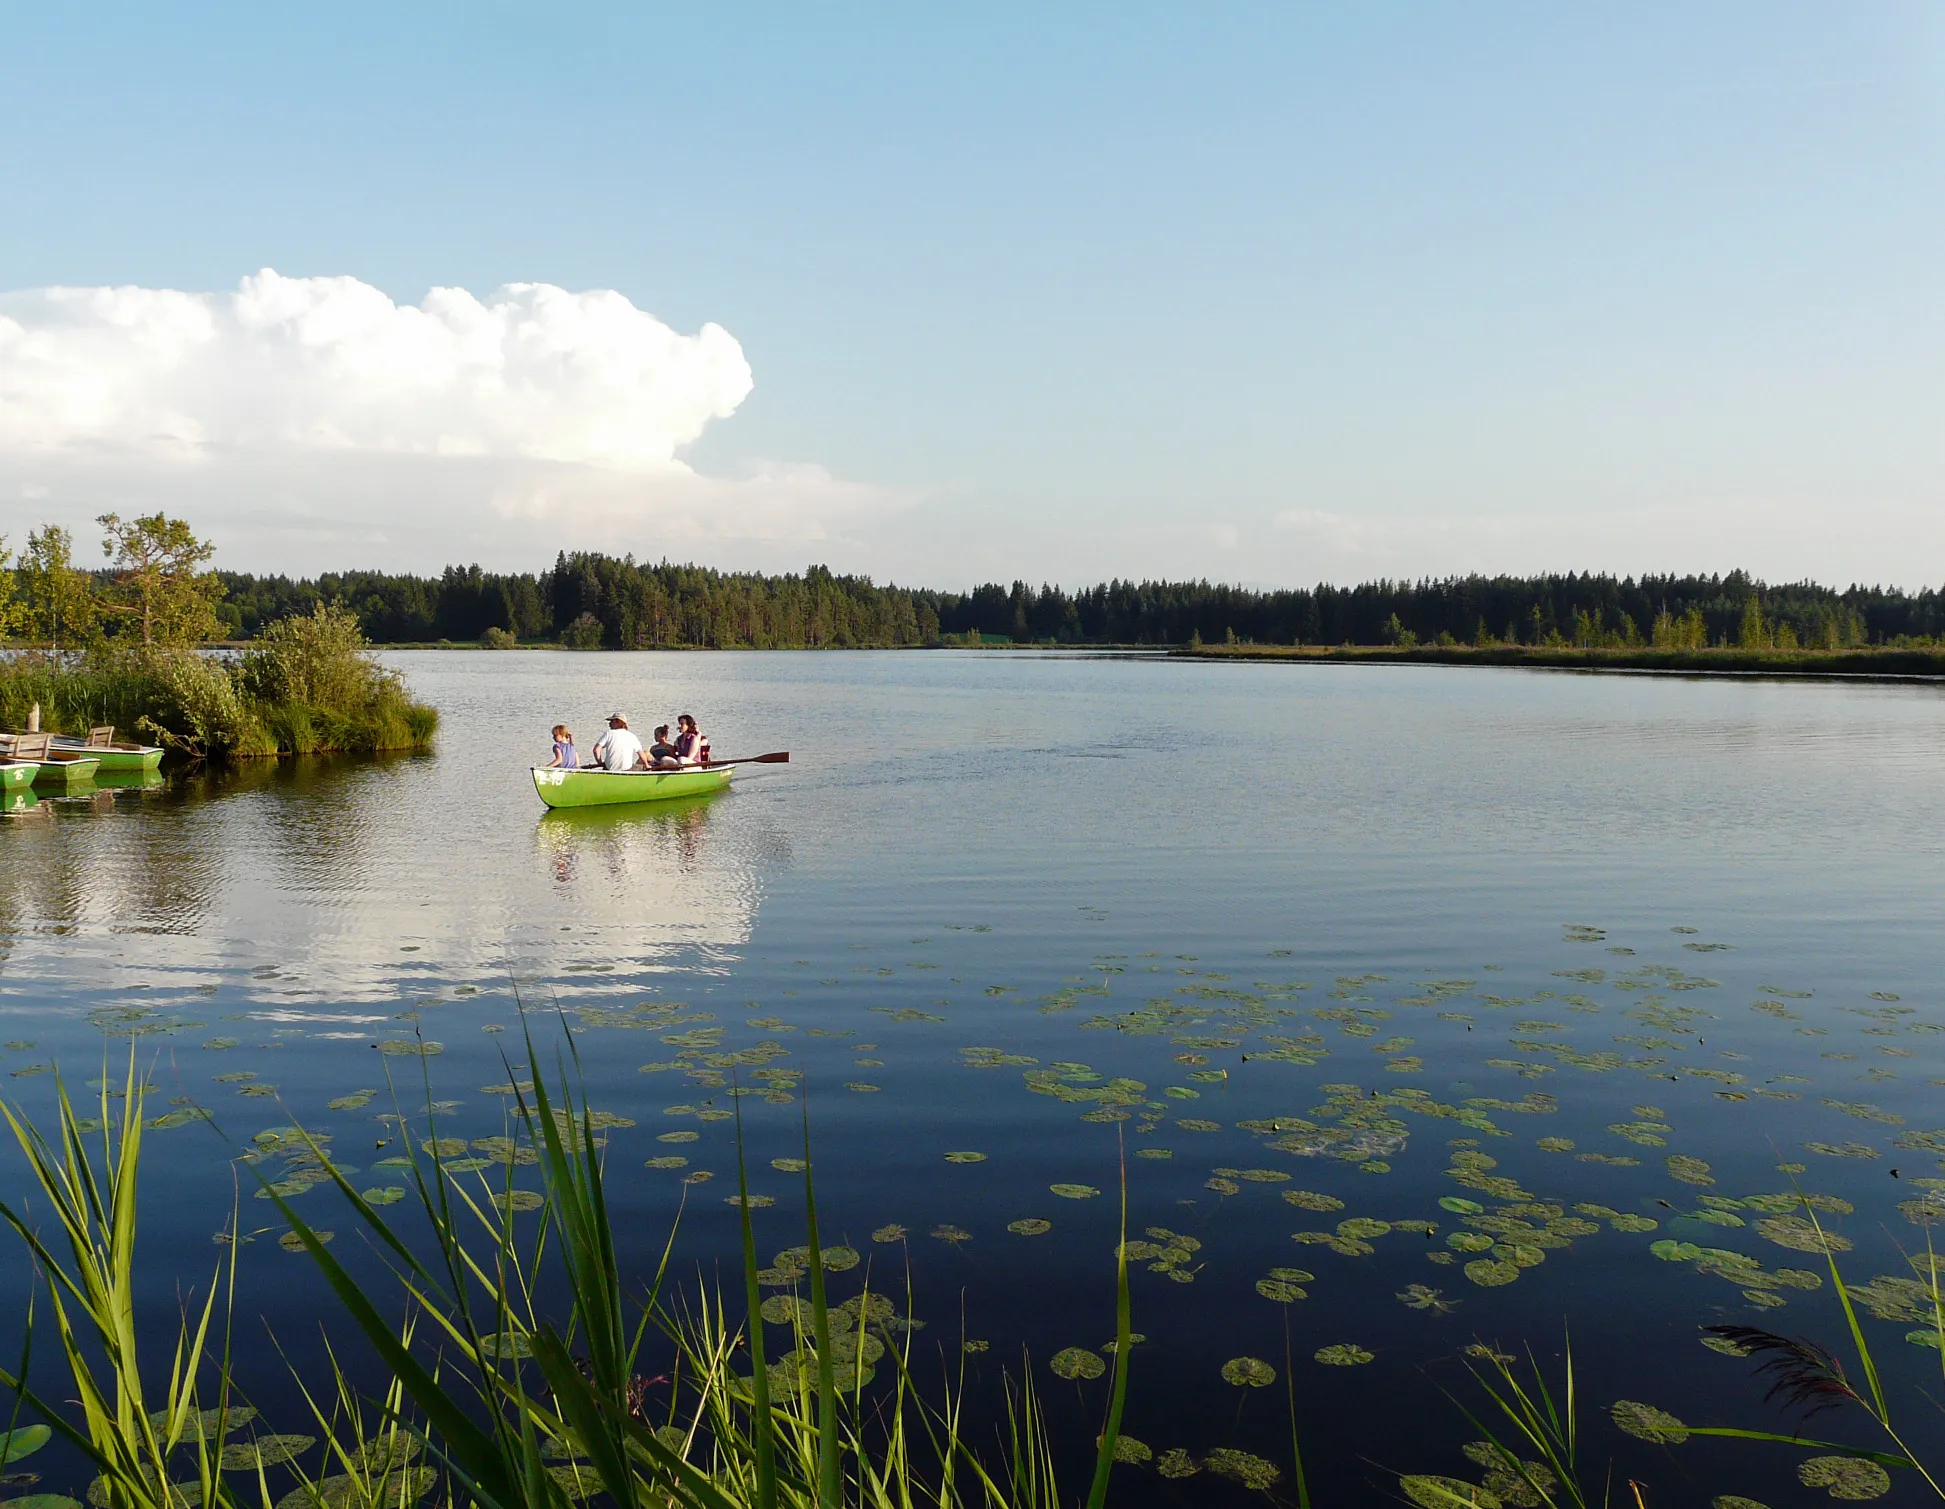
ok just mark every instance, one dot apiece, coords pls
pixel 102 736
pixel 29 746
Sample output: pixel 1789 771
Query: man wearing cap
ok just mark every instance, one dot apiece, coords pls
pixel 618 748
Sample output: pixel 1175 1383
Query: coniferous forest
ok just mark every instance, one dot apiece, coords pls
pixel 595 601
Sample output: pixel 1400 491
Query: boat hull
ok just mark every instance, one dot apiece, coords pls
pixel 18 773
pixel 116 757
pixel 605 788
pixel 67 772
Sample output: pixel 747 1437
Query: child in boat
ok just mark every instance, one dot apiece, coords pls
pixel 661 754
pixel 565 757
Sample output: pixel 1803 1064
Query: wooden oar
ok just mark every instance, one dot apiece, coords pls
pixel 781 757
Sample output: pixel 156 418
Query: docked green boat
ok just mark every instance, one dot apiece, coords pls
pixel 118 756
pixel 64 770
pixel 606 788
pixel 15 774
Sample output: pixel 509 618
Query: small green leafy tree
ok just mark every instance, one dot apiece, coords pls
pixel 1754 633
pixel 583 634
pixel 162 586
pixel 13 611
pixel 56 604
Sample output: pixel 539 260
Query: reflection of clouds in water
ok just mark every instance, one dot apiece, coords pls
pixel 342 882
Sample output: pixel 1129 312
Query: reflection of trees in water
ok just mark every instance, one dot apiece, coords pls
pixel 316 812
pixel 73 859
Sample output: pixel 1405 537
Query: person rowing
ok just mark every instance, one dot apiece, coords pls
pixel 618 749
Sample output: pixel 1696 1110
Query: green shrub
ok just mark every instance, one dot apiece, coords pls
pixel 496 638
pixel 583 634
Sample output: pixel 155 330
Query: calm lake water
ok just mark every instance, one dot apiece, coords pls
pixel 1589 952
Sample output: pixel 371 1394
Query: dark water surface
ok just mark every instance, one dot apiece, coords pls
pixel 1384 935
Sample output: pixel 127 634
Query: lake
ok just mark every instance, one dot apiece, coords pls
pixel 1518 974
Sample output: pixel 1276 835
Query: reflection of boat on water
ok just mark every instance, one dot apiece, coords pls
pixel 654 864
pixel 19 799
pixel 129 780
pixel 610 788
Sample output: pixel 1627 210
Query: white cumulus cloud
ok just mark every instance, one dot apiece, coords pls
pixel 315 422
pixel 333 364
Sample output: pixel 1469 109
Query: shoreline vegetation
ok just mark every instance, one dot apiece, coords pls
pixel 1865 662
pixel 129 646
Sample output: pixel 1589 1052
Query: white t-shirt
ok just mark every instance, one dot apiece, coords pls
pixel 617 749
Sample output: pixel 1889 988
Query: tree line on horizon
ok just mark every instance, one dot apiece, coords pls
pixel 599 601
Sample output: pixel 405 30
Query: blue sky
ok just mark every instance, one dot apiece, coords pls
pixel 1266 294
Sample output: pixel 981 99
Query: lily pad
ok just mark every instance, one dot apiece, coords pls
pixel 890 1233
pixel 1845 1477
pixel 1491 1273
pixel 391 1194
pixel 1800 1234
pixel 1074 1191
pixel 266 1451
pixel 1647 1423
pixel 1446 1493
pixel 1248 1372
pixel 1282 1292
pixel 519 1199
pixel 23 1442
pixel 1347 1354
pixel 964 1157
pixel 1030 1226
pixel 1076 1362
pixel 1242 1467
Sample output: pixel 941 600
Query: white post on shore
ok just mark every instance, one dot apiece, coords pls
pixel 34 720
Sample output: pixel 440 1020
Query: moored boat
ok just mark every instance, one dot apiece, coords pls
pixel 52 767
pixel 15 774
pixel 604 788
pixel 114 754
pixel 66 770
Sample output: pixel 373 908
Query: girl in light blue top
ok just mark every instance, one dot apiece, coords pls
pixel 565 757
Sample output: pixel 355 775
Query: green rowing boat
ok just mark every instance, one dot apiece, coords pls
pixel 64 770
pixel 17 773
pixel 122 757
pixel 606 788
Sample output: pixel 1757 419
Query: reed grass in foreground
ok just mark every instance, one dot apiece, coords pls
pixel 495 1403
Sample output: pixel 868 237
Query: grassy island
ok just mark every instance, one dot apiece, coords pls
pixel 1868 661
pixel 127 646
